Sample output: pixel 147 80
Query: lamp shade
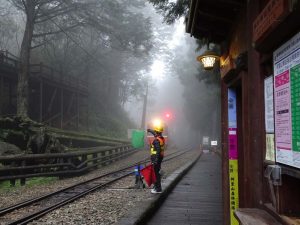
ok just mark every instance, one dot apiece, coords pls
pixel 208 59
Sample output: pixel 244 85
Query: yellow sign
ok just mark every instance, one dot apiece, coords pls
pixel 270 148
pixel 234 189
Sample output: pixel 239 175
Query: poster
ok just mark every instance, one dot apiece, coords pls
pixel 269 106
pixel 232 108
pixel 232 136
pixel 270 148
pixel 233 155
pixel 286 61
pixel 234 190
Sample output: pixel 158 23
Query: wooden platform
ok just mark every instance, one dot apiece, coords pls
pixel 247 216
pixel 197 199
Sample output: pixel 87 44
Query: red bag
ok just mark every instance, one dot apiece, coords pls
pixel 149 174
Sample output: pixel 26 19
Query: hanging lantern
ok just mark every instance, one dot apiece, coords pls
pixel 208 59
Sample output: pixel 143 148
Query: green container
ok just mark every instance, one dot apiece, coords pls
pixel 137 138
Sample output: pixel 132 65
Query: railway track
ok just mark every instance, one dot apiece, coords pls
pixel 27 211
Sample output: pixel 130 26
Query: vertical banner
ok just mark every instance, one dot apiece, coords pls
pixel 269 105
pixel 270 148
pixel 286 61
pixel 269 118
pixel 233 155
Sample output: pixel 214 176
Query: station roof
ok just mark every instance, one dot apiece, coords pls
pixel 212 19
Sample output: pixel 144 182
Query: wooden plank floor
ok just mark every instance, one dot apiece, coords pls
pixel 197 198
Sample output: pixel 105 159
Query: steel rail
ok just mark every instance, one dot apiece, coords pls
pixel 122 173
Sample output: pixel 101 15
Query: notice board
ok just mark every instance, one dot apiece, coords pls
pixel 286 61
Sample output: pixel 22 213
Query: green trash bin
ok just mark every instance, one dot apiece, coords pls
pixel 137 138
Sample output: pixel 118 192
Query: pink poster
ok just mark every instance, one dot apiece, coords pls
pixel 282 98
pixel 233 150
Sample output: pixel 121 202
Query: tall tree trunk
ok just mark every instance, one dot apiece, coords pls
pixel 24 70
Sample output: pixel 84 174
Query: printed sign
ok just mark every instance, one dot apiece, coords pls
pixel 214 143
pixel 270 148
pixel 233 155
pixel 234 190
pixel 205 140
pixel 287 102
pixel 231 108
pixel 269 106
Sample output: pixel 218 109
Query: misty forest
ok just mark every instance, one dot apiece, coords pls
pixel 87 69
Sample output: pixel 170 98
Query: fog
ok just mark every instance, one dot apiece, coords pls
pixel 176 52
pixel 118 48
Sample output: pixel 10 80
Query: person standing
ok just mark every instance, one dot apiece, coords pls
pixel 157 154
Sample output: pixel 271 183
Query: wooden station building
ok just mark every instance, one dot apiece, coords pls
pixel 54 99
pixel 260 82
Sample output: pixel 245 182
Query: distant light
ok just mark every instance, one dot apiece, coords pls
pixel 168 115
pixel 208 59
pixel 157 123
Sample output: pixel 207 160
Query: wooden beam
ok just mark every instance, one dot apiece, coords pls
pixel 194 18
pixel 70 120
pixel 215 17
pixel 190 16
pixel 70 103
pixel 49 120
pixel 216 32
pixel 237 3
pixel 49 109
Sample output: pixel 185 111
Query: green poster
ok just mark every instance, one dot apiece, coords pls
pixel 295 103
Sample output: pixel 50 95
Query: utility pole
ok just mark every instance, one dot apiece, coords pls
pixel 143 124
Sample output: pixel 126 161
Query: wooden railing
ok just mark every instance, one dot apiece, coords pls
pixel 9 59
pixel 59 164
pixel 43 71
pixel 46 72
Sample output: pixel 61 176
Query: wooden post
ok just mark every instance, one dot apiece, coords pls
pixel 103 158
pixel 41 100
pixel 122 152
pixel 1 95
pixel 61 108
pixel 110 152
pixel 49 109
pixel 87 115
pixel 83 159
pixel 77 104
pixel 70 104
pixel 23 180
pixel 12 181
pixel 117 153
pixel 95 155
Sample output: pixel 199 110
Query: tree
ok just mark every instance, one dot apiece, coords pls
pixel 39 12
pixel 171 10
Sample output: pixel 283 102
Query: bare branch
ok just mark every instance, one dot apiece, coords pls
pixel 56 31
pixel 45 13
